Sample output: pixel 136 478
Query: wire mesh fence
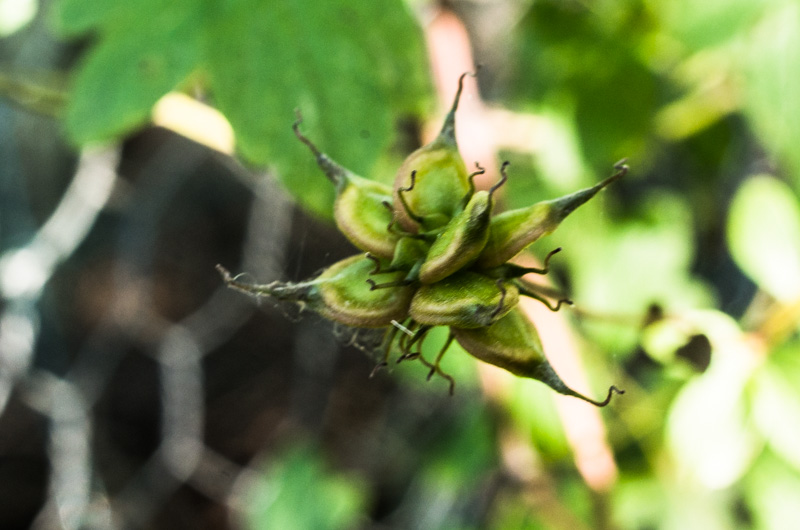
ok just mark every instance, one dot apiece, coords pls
pixel 120 389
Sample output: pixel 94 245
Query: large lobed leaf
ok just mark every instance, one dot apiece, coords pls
pixel 351 67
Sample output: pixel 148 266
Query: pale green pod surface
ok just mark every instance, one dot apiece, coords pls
pixel 442 180
pixel 463 300
pixel 358 210
pixel 440 185
pixel 510 232
pixel 461 241
pixel 408 253
pixel 361 216
pixel 513 343
pixel 341 293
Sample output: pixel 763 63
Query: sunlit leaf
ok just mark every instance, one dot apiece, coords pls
pixel 776 403
pixel 772 490
pixel 772 81
pixel 15 14
pixel 764 235
pixel 708 430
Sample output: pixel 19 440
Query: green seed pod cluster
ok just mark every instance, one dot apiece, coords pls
pixel 433 254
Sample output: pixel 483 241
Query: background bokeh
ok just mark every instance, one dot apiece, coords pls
pixel 143 142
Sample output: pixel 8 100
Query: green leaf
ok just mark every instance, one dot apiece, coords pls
pixel 266 60
pixel 776 403
pixel 708 429
pixel 772 490
pixel 73 17
pixel 769 63
pixel 121 78
pixel 353 68
pixel 764 235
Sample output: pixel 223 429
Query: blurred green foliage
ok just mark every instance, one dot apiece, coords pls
pixel 703 98
pixel 764 235
pixel 297 491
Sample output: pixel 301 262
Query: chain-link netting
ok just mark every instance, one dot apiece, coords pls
pixel 128 384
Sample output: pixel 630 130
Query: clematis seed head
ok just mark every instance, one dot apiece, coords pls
pixel 434 255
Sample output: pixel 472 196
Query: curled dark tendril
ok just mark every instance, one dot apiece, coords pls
pixel 517 272
pixel 547 259
pixel 413 182
pixel 611 391
pixel 559 303
pixel 300 136
pixel 479 170
pixel 400 191
pixel 459 90
pixel 526 289
pixel 418 339
pixel 376 261
pixel 622 170
pixel 503 178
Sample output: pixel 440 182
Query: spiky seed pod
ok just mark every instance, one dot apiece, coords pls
pixel 440 184
pixel 463 239
pixel 510 232
pixel 409 253
pixel 341 294
pixel 435 257
pixel 361 216
pixel 465 300
pixel 348 299
pixel 460 242
pixel 360 209
pixel 513 343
